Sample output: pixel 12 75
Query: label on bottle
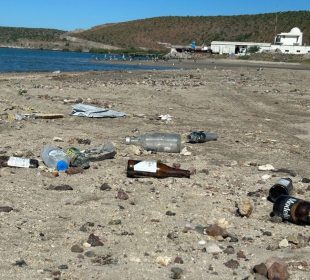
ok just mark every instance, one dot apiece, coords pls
pixel 146 166
pixel 283 182
pixel 19 162
pixel 287 208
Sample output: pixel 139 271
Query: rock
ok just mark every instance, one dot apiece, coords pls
pixel 229 250
pixel 185 152
pixel 202 242
pixel 74 170
pixel 115 222
pixel 265 177
pixel 283 243
pixel 233 264
pixel 136 150
pixel 266 167
pixel 163 260
pixel 178 260
pixel 60 188
pixel 293 239
pixel 90 254
pixel 6 209
pixel 105 187
pixel 170 213
pixel 20 263
pixel 278 271
pixel 213 249
pixel 214 230
pixel 176 273
pixel 58 139
pixel 245 208
pixel 94 240
pixel 77 249
pixel 260 269
pixel 305 180
pixel 122 195
pixel 241 255
pixel 63 266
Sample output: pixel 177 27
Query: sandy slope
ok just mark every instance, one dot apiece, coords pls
pixel 261 117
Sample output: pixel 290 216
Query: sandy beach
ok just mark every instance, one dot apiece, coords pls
pixel 262 116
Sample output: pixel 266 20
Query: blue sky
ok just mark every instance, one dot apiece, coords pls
pixel 72 14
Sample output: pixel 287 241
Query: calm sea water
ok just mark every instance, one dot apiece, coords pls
pixel 25 60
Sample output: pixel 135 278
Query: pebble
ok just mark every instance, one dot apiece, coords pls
pixel 266 167
pixel 86 245
pixel 233 264
pixel 229 250
pixel 278 270
pixel 115 222
pixel 20 263
pixel 305 180
pixel 214 230
pixel 90 254
pixel 185 152
pixel 241 255
pixel 170 213
pixel 163 260
pixel 178 260
pixel 176 273
pixel 213 249
pixel 283 243
pixel 105 187
pixel 265 177
pixel 122 195
pixel 58 139
pixel 6 209
pixel 245 208
pixel 202 242
pixel 63 266
pixel 77 249
pixel 260 269
pixel 94 240
pixel 60 188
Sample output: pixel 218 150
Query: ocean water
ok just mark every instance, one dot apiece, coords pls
pixel 28 60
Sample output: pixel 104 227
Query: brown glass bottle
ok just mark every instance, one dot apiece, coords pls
pixel 141 168
pixel 292 209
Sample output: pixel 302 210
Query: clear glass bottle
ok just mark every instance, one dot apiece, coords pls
pixel 151 168
pixel 201 137
pixel 55 158
pixel 157 142
pixel 7 161
pixel 292 209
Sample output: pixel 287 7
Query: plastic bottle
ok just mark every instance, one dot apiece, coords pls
pixel 150 168
pixel 292 209
pixel 284 186
pixel 56 158
pixel 7 161
pixel 157 142
pixel 201 137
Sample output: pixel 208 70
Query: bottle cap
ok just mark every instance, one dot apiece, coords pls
pixel 127 140
pixel 62 165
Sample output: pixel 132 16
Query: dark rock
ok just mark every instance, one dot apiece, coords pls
pixel 172 235
pixel 260 269
pixel 229 250
pixel 176 273
pixel 122 195
pixel 105 187
pixel 90 254
pixel 63 266
pixel 267 233
pixel 74 170
pixel 84 227
pixel 170 213
pixel 278 271
pixel 104 260
pixel 305 180
pixel 115 222
pixel 241 255
pixel 214 230
pixel 60 188
pixel 178 260
pixel 6 209
pixel 77 249
pixel 233 264
pixel 94 240
pixel 20 263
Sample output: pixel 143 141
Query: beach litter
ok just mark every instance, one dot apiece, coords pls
pixel 84 110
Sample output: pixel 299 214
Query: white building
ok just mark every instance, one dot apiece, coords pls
pixel 290 42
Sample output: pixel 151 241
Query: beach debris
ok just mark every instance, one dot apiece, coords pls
pixel 89 111
pixel 106 151
pixel 163 260
pixel 266 167
pixel 176 273
pixel 166 118
pixel 201 137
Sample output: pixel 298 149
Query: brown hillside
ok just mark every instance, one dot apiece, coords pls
pixel 147 33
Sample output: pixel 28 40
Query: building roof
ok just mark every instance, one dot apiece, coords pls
pixel 240 43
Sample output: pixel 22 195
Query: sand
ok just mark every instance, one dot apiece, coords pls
pixel 261 116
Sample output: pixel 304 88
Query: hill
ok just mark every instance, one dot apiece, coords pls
pixel 146 33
